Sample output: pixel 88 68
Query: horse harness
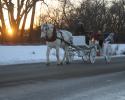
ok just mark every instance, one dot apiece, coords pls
pixel 54 36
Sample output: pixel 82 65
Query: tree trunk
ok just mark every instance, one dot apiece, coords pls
pixel 32 21
pixel 23 26
pixel 3 29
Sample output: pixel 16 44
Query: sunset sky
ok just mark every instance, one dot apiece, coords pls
pixel 40 9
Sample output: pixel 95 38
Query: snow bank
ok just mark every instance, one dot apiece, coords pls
pixel 118 49
pixel 32 54
pixel 25 54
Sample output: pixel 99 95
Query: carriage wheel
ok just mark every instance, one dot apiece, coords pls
pixel 85 58
pixel 70 56
pixel 92 55
pixel 108 53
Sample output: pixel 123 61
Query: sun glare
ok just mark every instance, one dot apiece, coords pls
pixel 10 32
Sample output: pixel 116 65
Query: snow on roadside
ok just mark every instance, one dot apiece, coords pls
pixel 118 49
pixel 25 54
pixel 33 54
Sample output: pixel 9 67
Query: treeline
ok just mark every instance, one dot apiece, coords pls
pixel 104 15
pixel 101 15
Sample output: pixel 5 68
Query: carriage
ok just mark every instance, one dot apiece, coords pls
pixel 88 53
pixel 81 49
pixel 72 45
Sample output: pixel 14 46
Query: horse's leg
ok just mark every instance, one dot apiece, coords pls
pixel 67 58
pixel 47 55
pixel 63 60
pixel 57 55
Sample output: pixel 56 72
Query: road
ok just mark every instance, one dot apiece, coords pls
pixel 77 81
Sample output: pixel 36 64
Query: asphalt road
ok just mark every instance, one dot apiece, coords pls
pixel 76 81
pixel 100 87
pixel 33 72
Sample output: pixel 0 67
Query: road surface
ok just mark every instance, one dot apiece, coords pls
pixel 77 81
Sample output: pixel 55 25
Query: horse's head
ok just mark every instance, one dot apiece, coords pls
pixel 47 30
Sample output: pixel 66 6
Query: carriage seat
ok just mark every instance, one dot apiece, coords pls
pixel 79 40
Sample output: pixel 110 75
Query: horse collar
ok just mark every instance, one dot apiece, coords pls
pixel 54 35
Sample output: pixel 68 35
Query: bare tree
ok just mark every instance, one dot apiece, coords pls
pixel 3 27
pixel 23 8
pixel 67 7
pixel 32 20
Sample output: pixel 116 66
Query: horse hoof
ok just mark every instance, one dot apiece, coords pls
pixel 59 64
pixel 67 62
pixel 47 64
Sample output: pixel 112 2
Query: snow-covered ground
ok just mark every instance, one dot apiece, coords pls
pixel 33 54
pixel 25 54
pixel 118 49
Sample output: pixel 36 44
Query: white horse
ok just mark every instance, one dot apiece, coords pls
pixel 56 39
